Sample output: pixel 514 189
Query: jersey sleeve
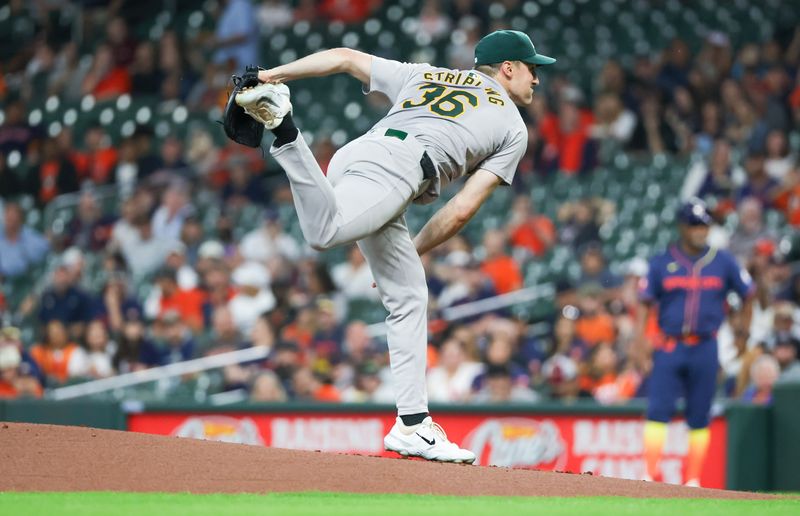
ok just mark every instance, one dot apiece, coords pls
pixel 738 279
pixel 389 77
pixel 650 285
pixel 503 163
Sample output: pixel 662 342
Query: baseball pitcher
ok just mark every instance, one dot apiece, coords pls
pixel 443 124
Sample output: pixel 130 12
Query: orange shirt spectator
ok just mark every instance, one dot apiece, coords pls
pixel 13 383
pixel 498 266
pixel 58 358
pixel 117 82
pixel 188 303
pixel 535 234
pixel 568 134
pixel 504 273
pixel 788 201
pixel 596 328
pixel 328 394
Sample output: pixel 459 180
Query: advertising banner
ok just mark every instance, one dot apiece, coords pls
pixel 606 445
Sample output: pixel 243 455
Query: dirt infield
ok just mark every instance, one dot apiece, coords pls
pixel 61 458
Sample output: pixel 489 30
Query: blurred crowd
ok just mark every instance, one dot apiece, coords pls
pixel 209 290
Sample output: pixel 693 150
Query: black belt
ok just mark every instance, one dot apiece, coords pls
pixel 428 168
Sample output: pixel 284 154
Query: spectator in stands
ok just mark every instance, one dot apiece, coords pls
pixel 115 305
pixel 267 387
pixel 759 184
pixel 170 297
pixel 11 186
pixel 307 386
pixel 268 240
pixel 594 325
pixel 21 247
pixel 235 40
pixel 594 270
pixel 225 335
pixel 779 160
pixel 500 352
pixel 274 15
pixel 358 347
pixel 146 78
pixel 653 134
pixel 710 127
pixel 97 161
pixel 56 174
pixel 749 230
pixel 326 345
pixel 122 44
pixel 529 232
pixel 367 386
pixel 12 336
pixel 499 267
pixel 466 282
pixel 99 351
pixel 451 380
pixel 105 79
pixel 612 120
pixel 14 382
pixel 173 211
pixel 499 387
pixel 565 341
pixel 602 380
pixel 57 356
pixel 432 21
pixel 764 373
pixel 711 178
pixel 578 223
pixel 124 232
pixel 145 252
pixel 135 351
pixel 175 342
pixel 65 301
pixel 567 133
pixel 353 277
pixel 787 198
pixel 243 187
pixel 192 234
pixel 254 296
pixel 171 166
pixel 15 132
pixel 91 229
pixel 185 273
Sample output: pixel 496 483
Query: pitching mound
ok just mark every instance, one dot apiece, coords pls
pixel 61 458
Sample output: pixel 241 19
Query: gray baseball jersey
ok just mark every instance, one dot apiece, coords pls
pixel 464 118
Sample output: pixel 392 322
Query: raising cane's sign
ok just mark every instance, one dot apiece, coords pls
pixel 603 445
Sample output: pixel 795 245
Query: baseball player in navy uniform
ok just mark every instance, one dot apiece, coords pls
pixel 444 124
pixel 688 284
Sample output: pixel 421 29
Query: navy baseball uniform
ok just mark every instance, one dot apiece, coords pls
pixel 691 296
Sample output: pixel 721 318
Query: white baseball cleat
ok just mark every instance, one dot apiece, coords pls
pixel 268 103
pixel 692 483
pixel 426 440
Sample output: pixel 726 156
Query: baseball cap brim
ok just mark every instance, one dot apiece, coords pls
pixel 539 59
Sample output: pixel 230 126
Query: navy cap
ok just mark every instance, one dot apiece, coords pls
pixel 694 213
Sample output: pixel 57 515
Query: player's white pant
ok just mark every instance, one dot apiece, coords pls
pixel 370 183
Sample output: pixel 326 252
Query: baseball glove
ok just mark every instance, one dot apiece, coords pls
pixel 239 126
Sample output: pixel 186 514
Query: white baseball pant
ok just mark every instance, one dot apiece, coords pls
pixel 370 183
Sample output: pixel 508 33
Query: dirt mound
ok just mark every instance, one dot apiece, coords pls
pixel 61 458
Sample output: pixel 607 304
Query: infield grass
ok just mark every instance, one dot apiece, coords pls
pixel 335 504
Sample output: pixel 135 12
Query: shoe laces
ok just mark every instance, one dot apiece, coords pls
pixel 438 430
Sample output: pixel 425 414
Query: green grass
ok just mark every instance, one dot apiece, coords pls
pixel 290 504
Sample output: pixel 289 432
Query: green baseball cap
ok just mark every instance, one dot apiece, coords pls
pixel 508 45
